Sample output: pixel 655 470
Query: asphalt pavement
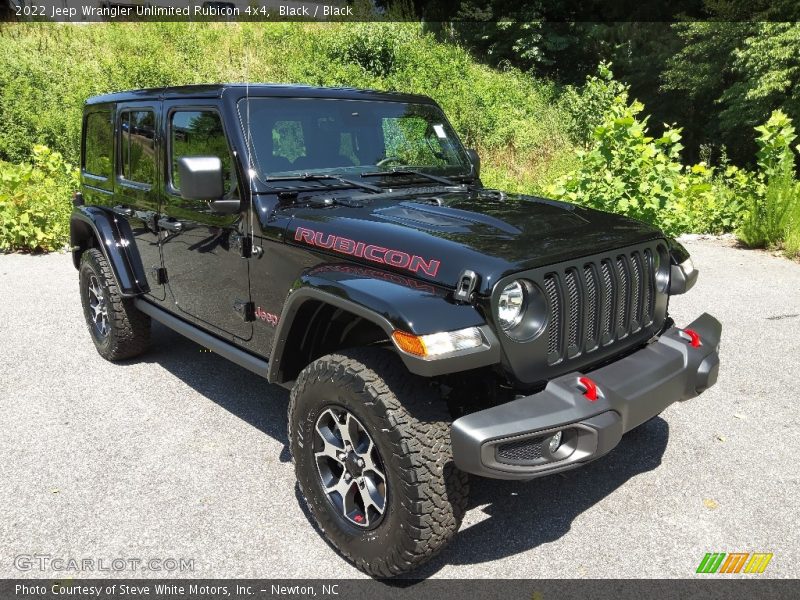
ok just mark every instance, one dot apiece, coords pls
pixel 182 455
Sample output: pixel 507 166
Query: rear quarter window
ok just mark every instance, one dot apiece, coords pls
pixel 98 143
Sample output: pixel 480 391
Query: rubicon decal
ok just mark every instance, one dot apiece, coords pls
pixel 377 254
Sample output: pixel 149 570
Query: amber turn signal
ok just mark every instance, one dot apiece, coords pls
pixel 408 342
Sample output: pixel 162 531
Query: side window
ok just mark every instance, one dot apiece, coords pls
pixel 98 139
pixel 199 133
pixel 137 146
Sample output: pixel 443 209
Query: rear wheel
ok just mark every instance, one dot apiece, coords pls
pixel 371 448
pixel 119 330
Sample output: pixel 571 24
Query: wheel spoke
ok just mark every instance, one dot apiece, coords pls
pixel 347 429
pixel 371 497
pixel 341 487
pixel 346 498
pixel 329 450
pixel 325 430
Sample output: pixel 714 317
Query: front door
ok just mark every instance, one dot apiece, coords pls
pixel 202 249
pixel 136 196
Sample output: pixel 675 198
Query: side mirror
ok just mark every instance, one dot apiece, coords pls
pixel 201 178
pixel 475 160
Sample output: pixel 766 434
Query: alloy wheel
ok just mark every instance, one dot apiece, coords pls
pixel 350 468
pixel 98 306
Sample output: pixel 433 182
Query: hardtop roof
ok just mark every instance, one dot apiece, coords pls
pixel 255 90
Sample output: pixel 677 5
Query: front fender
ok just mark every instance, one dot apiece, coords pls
pixel 115 240
pixel 392 302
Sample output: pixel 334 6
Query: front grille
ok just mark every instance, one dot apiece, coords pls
pixel 605 300
pixel 527 450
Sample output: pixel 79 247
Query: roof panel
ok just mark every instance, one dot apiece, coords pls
pixel 254 90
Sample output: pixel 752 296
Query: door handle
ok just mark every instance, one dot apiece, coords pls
pixel 123 211
pixel 165 223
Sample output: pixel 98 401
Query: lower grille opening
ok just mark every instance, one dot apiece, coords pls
pixel 527 450
pixel 537 450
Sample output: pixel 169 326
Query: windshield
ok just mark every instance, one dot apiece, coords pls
pixel 295 136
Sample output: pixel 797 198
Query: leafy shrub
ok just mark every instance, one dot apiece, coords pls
pixel 374 47
pixel 35 202
pixel 772 213
pixel 711 200
pixel 625 170
pixel 589 105
pixel 791 244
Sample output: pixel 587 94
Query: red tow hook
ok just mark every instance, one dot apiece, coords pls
pixel 590 392
pixel 694 338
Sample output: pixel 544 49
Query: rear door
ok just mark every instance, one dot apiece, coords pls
pixel 202 249
pixel 137 193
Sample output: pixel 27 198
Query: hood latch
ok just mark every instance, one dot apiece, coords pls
pixel 467 282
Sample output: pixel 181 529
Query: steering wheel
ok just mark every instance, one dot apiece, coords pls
pixel 387 160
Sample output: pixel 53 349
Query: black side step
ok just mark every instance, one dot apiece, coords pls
pixel 221 347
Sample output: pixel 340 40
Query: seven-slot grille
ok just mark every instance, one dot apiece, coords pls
pixel 605 300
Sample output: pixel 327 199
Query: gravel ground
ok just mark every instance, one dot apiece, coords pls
pixel 181 454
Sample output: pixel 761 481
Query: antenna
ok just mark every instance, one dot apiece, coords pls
pixel 249 141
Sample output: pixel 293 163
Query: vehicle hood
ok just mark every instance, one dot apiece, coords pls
pixel 490 232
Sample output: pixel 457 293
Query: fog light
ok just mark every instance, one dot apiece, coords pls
pixel 555 442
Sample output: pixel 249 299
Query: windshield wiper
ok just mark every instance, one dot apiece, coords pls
pixel 323 177
pixel 436 178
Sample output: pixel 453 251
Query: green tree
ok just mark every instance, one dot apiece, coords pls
pixel 731 76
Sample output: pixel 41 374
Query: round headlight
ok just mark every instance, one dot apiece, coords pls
pixel 511 306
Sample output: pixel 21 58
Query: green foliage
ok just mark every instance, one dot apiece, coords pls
pixel 35 202
pixel 731 75
pixel 375 48
pixel 502 114
pixel 772 213
pixel 589 105
pixel 791 245
pixel 626 170
pixel 718 71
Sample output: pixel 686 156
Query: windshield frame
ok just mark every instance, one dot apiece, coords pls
pixel 463 170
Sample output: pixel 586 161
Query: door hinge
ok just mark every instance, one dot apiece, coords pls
pixel 160 275
pixel 246 310
pixel 467 282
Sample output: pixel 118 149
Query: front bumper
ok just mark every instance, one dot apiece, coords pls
pixel 511 441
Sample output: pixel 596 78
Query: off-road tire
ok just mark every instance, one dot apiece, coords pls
pixel 410 425
pixel 128 328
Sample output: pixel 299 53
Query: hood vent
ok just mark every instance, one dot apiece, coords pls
pixel 442 218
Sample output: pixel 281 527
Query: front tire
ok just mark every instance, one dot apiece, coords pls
pixel 371 448
pixel 119 330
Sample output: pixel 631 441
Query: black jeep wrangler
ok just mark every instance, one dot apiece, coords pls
pixel 339 242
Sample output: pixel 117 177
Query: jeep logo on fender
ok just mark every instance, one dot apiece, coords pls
pixel 267 317
pixel 378 254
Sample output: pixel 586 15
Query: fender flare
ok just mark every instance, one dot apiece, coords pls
pixel 390 305
pixel 115 240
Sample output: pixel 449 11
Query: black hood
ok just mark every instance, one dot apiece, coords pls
pixel 492 233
